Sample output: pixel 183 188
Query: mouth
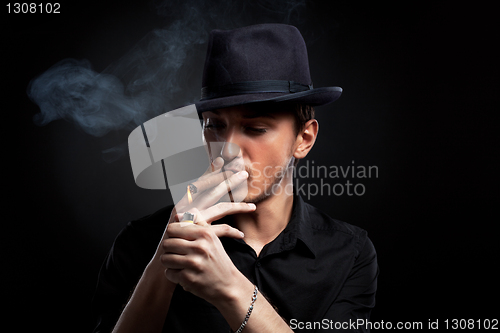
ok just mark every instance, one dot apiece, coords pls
pixel 233 168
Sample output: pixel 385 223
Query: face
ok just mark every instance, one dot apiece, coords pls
pixel 262 143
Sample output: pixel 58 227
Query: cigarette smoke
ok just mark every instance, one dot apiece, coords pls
pixel 162 72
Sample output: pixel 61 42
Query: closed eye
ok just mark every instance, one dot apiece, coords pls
pixel 256 129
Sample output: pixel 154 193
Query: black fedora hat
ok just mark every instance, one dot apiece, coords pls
pixel 259 63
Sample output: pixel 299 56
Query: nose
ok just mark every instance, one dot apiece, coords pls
pixel 229 151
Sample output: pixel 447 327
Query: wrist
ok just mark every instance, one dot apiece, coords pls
pixel 148 306
pixel 233 290
pixel 154 279
pixel 235 302
pixel 250 310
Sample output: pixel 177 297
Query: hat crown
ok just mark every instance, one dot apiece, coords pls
pixel 256 53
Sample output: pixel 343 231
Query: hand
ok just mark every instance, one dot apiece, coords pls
pixel 197 255
pixel 213 186
pixel 195 258
pixel 192 253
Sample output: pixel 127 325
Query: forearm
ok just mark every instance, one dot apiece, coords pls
pixel 148 306
pixel 263 318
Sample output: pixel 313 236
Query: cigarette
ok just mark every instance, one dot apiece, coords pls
pixel 227 184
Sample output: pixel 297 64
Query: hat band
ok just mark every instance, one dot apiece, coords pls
pixel 253 87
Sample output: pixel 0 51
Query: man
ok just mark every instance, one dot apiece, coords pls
pixel 270 263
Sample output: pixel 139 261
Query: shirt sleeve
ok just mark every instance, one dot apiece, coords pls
pixel 351 309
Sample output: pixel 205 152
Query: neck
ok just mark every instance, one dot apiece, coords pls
pixel 269 219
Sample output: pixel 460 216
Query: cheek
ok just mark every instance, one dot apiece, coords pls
pixel 267 161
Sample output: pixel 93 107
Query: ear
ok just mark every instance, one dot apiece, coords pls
pixel 305 139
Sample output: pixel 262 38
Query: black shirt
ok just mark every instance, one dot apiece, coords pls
pixel 319 273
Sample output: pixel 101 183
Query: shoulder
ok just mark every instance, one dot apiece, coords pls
pixel 322 221
pixel 140 237
pixel 155 220
pixel 337 231
pixel 147 224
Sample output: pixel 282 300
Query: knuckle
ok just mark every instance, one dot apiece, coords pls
pixel 201 247
pixel 225 228
pixel 204 233
pixel 196 264
pixel 223 206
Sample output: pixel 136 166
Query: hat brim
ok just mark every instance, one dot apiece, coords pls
pixel 313 97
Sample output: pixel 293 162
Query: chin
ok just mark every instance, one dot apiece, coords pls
pixel 257 197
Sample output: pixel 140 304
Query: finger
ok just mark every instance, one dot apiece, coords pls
pixel 184 230
pixel 222 209
pixel 177 246
pixel 214 166
pixel 194 231
pixel 211 196
pixel 212 176
pixel 210 180
pixel 224 230
pixel 173 261
pixel 204 183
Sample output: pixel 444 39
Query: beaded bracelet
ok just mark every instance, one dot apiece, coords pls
pixel 250 309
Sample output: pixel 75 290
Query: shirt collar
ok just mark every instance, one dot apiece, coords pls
pixel 298 228
pixel 297 234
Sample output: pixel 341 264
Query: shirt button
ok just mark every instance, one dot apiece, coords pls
pixel 257 264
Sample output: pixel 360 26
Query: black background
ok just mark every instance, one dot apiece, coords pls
pixel 420 84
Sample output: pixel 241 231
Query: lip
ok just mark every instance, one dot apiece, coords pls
pixel 233 170
pixel 234 167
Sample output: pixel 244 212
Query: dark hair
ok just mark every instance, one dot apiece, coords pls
pixel 303 113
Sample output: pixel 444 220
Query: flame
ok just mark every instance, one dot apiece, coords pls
pixel 190 199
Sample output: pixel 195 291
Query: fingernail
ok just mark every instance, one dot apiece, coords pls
pixel 217 162
pixel 251 205
pixel 242 174
pixel 242 234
